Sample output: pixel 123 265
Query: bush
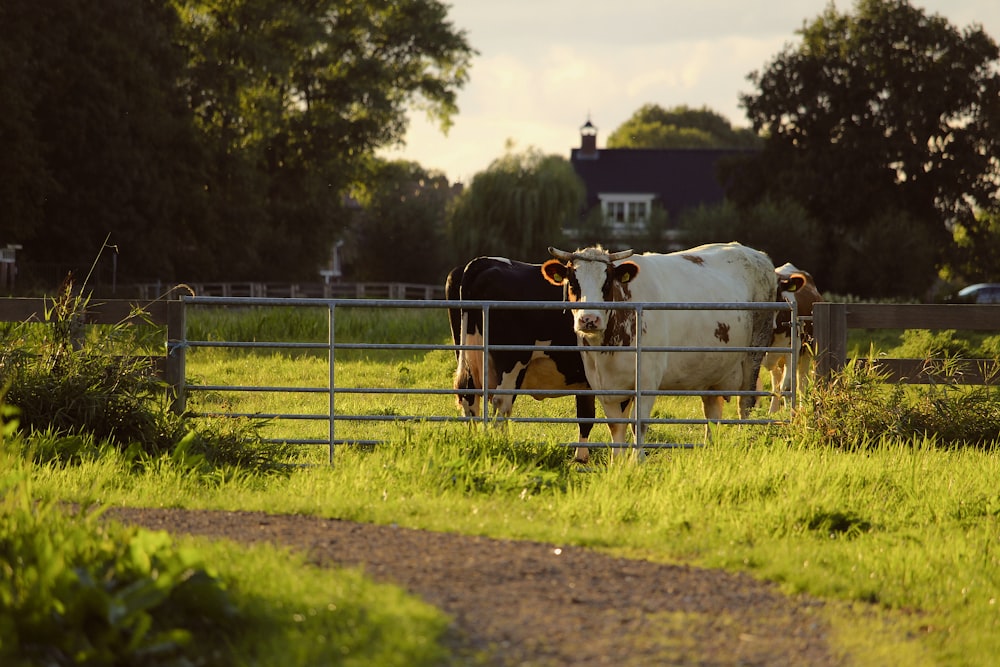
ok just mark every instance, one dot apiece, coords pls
pixel 856 408
pixel 83 393
pixel 924 344
pixel 72 385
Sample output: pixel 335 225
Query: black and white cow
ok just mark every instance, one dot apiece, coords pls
pixel 497 279
pixel 711 273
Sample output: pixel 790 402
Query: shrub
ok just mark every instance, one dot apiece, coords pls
pixel 924 344
pixel 856 408
pixel 83 393
pixel 73 385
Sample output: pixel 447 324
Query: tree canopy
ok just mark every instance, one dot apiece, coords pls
pixel 399 234
pixel 652 126
pixel 517 207
pixel 886 114
pixel 210 139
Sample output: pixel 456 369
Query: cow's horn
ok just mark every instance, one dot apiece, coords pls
pixel 561 255
pixel 621 254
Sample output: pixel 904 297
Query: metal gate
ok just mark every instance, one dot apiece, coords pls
pixel 332 390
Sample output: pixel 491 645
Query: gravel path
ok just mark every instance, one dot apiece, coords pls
pixel 527 603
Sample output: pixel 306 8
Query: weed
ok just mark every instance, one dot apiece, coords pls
pixel 857 408
pixel 80 394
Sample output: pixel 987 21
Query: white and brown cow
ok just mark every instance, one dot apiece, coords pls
pixel 799 284
pixel 497 279
pixel 716 273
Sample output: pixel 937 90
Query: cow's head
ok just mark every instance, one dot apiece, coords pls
pixel 591 276
pixel 798 287
pixel 791 283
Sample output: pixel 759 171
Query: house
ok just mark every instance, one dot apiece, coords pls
pixel 627 183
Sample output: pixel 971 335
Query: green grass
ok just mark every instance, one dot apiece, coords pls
pixel 305 615
pixel 919 344
pixel 78 590
pixel 910 530
pixel 897 532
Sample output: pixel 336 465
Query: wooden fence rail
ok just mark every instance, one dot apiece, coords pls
pixel 166 314
pixel 831 322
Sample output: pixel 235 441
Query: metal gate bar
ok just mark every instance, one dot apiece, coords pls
pixel 331 346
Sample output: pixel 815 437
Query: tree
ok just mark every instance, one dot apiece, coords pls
pixel 400 234
pixel 886 111
pixel 101 142
pixel 24 177
pixel 517 207
pixel 652 126
pixel 293 100
pixel 214 140
pixel 782 229
pixel 976 255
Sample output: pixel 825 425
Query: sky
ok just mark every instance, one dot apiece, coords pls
pixel 545 66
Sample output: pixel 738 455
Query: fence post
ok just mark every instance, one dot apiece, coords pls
pixel 176 349
pixel 830 329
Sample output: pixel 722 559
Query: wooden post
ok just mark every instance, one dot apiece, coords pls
pixel 830 329
pixel 176 349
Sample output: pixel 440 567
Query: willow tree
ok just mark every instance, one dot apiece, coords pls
pixel 517 207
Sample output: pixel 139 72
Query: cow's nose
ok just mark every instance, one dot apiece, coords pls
pixel 589 322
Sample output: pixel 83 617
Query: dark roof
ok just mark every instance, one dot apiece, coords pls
pixel 680 177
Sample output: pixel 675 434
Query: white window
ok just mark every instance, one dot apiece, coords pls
pixel 614 212
pixel 626 212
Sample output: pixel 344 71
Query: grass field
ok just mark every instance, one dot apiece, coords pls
pixel 899 533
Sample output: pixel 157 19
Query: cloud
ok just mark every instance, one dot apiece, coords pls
pixel 545 65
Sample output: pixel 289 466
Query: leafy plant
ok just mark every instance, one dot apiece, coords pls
pixel 76 590
pixel 924 344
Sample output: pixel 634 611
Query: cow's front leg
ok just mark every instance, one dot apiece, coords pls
pixel 503 404
pixel 585 409
pixel 778 375
pixel 615 409
pixel 712 406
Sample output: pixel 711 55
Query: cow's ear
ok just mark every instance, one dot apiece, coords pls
pixel 795 282
pixel 626 271
pixel 554 272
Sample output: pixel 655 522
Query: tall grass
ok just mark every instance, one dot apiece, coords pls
pixel 87 390
pixel 858 408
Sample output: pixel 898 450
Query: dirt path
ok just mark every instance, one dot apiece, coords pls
pixel 527 603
